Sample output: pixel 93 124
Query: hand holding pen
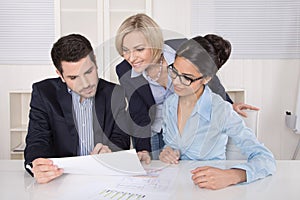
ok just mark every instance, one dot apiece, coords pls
pixel 169 155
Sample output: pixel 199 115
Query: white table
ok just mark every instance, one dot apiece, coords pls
pixel 15 184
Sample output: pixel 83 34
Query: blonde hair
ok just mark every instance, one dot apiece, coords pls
pixel 148 27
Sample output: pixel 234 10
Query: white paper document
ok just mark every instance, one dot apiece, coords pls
pixel 111 164
pixel 157 185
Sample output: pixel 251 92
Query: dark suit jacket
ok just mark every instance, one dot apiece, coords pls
pixel 52 131
pixel 141 100
pixel 141 105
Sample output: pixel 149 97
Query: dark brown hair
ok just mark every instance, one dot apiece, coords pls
pixel 208 53
pixel 71 48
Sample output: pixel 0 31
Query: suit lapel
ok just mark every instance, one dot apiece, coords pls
pixel 98 113
pixel 65 101
pixel 144 90
pixel 137 84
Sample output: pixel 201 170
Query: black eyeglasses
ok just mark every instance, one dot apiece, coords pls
pixel 185 80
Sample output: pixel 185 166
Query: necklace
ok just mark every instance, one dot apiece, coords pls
pixel 158 73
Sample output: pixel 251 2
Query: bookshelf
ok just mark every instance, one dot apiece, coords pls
pixel 19 111
pixel 237 95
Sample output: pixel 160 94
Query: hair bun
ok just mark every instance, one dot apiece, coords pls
pixel 221 46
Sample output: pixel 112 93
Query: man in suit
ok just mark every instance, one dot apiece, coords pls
pixel 76 114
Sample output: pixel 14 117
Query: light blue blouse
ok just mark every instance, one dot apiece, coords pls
pixel 206 132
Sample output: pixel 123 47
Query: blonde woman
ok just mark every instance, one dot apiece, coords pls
pixel 143 74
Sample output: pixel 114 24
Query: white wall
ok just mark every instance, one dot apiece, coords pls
pixel 172 16
pixel 16 78
pixel 272 86
pixel 269 84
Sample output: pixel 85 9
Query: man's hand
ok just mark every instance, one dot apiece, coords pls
pixel 215 178
pixel 100 148
pixel 144 156
pixel 169 155
pixel 239 107
pixel 44 171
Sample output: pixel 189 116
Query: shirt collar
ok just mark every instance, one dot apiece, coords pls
pixel 77 97
pixel 134 74
pixel 204 104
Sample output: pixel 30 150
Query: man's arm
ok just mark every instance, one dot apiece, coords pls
pixel 38 139
pixel 38 142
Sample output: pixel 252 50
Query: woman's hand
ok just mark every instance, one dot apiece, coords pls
pixel 215 178
pixel 169 155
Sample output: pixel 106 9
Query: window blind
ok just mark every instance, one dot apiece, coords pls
pixel 27 31
pixel 267 29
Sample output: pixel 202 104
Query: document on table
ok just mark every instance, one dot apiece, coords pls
pixel 157 184
pixel 112 164
pixel 152 186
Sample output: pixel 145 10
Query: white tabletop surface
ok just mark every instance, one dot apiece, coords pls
pixel 15 184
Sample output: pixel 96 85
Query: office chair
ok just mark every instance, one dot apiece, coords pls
pixel 234 153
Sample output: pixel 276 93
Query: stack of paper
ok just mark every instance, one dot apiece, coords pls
pixel 112 164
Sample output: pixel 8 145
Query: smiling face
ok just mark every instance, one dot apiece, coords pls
pixel 137 51
pixel 187 69
pixel 81 77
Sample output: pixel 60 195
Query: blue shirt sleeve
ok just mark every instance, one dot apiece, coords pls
pixel 261 162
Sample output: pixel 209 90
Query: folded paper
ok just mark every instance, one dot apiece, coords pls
pixel 111 164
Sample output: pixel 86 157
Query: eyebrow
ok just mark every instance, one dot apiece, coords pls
pixel 135 47
pixel 185 74
pixel 69 76
pixel 89 69
pixel 188 74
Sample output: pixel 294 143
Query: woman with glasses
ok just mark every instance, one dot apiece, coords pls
pixel 144 76
pixel 197 122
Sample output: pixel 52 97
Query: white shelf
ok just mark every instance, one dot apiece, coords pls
pixel 19 111
pixel 19 92
pixel 19 148
pixel 237 95
pixel 21 128
pixel 16 153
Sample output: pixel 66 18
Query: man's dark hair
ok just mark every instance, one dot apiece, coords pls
pixel 71 48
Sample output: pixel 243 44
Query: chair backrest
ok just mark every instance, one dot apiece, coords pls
pixel 232 152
